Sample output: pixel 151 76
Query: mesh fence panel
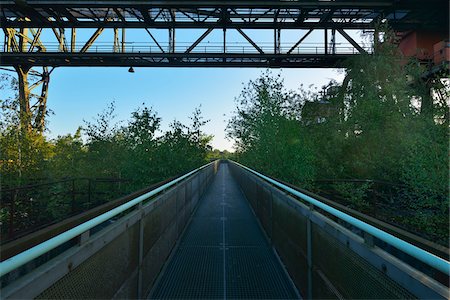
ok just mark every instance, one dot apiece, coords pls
pixel 289 238
pixel 337 271
pixel 350 274
pixel 113 271
pixel 103 274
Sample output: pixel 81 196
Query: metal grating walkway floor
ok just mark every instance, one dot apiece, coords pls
pixel 223 252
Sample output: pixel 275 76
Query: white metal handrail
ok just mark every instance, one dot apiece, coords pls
pixel 416 252
pixel 26 256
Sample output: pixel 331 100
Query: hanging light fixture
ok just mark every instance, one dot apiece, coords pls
pixel 131 70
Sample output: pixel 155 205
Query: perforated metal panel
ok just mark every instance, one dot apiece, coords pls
pixel 123 258
pixel 102 275
pixel 337 271
pixel 342 267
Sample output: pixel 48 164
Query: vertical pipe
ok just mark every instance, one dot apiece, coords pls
pixel 333 41
pixel 171 40
pixel 224 59
pixel 73 40
pixel 123 40
pixel 224 40
pixel 326 40
pixel 274 41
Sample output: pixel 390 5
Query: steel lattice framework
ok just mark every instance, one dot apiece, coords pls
pixel 23 46
pixel 26 22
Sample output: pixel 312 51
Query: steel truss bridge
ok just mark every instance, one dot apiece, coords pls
pixel 229 33
pixel 23 23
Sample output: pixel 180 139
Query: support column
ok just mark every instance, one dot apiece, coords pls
pixel 333 41
pixel 123 40
pixel 171 40
pixel 73 40
pixel 224 44
pixel 39 121
pixel 24 97
pixel 277 41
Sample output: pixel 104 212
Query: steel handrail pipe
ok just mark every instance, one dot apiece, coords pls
pixel 26 256
pixel 414 251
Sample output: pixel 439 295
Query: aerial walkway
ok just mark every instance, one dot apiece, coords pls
pixel 224 253
pixel 225 231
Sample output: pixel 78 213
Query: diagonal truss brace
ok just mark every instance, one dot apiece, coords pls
pixel 351 41
pixel 91 40
pixel 300 41
pixel 198 40
pixel 250 41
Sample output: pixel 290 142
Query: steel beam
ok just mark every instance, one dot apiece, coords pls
pixel 246 14
pixel 93 59
pixel 36 40
pixel 198 41
pixel 92 40
pixel 250 40
pixel 154 40
pixel 352 41
pixel 300 41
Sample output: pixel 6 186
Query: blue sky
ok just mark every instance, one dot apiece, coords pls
pixel 81 93
pixel 78 94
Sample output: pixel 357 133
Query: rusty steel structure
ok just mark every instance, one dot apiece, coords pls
pixel 128 33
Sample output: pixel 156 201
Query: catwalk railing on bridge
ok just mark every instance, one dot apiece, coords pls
pixel 208 47
pixel 117 254
pixel 330 254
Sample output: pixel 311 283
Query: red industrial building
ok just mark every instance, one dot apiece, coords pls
pixel 429 46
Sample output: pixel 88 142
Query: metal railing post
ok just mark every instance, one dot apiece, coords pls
pixel 309 254
pixel 140 250
pixel 271 218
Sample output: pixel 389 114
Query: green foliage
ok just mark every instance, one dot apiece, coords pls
pixel 68 154
pixel 267 132
pixel 382 123
pixel 354 193
pixel 102 148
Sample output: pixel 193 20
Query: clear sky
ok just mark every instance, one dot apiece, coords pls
pixel 81 93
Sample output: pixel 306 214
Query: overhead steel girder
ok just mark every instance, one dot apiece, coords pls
pixel 195 25
pixel 402 14
pixel 177 59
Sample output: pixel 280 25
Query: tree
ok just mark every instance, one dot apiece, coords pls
pixel 267 131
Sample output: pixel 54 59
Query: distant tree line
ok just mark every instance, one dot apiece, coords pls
pixel 381 123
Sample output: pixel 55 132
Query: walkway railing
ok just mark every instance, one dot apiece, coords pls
pixel 119 251
pixel 205 47
pixel 329 252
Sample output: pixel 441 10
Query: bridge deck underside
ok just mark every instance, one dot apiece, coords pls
pixel 223 252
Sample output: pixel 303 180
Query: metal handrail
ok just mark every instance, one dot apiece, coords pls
pixel 416 252
pixel 34 252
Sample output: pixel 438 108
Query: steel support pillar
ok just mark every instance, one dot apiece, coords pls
pixel 24 97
